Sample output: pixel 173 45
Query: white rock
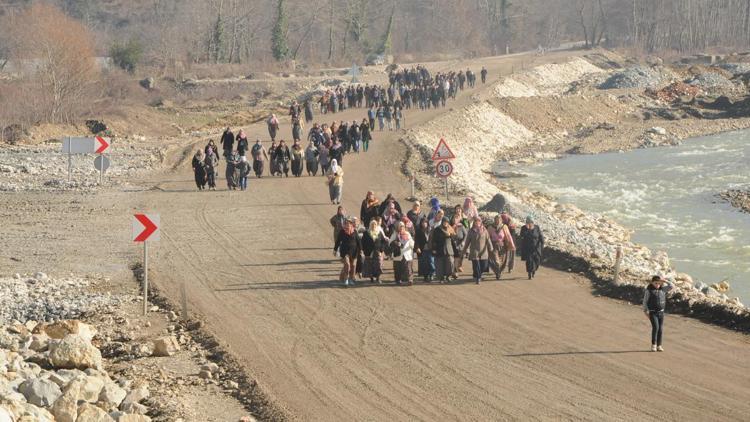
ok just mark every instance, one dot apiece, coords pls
pixel 40 392
pixel 89 413
pixel 74 352
pixel 112 395
pixel 166 346
pixel 134 396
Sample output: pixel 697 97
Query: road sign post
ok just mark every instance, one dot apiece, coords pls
pixel 81 145
pixel 145 229
pixel 443 167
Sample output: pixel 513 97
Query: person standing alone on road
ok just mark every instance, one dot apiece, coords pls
pixel 199 169
pixel 654 304
pixel 532 244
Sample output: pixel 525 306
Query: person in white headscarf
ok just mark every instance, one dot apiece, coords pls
pixel 336 182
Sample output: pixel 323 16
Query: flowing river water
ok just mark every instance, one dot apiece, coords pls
pixel 668 197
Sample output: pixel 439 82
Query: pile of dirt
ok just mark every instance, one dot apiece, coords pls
pixel 711 80
pixel 674 91
pixel 547 79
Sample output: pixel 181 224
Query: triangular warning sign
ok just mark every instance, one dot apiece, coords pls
pixel 442 152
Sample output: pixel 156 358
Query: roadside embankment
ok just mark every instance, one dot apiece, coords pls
pixel 578 107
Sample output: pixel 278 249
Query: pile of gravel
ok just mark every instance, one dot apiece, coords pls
pixel 735 68
pixel 41 298
pixel 633 77
pixel 710 80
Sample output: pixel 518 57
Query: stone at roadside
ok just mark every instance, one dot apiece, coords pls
pixel 711 292
pixel 65 408
pixel 40 276
pixel 40 392
pixel 89 413
pixel 39 342
pixel 62 377
pixel 5 416
pixel 722 287
pixel 657 130
pixel 211 367
pixel 247 419
pixel 204 374
pixel 148 83
pixel 142 350
pixel 60 329
pixel 134 397
pixel 134 408
pixel 699 285
pixel 74 352
pixel 166 346
pixel 91 388
pixel 112 396
pixel 125 417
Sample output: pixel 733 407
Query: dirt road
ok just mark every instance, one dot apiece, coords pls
pixel 259 270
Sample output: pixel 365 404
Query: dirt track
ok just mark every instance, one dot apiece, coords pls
pixel 259 270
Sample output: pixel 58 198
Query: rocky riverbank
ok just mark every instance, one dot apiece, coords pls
pixel 541 115
pixel 116 366
pixel 738 198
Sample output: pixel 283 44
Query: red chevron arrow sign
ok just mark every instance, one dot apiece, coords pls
pixel 146 227
pixel 101 144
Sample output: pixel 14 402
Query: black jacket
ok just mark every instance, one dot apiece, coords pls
pixel 348 244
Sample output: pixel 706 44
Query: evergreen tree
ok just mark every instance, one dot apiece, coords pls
pixel 279 46
pixel 386 43
pixel 218 39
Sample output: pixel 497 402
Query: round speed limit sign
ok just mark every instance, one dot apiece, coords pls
pixel 444 168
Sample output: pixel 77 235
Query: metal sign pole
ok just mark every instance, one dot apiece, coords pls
pixel 70 161
pixel 447 199
pixel 145 277
pixel 101 171
pixel 183 295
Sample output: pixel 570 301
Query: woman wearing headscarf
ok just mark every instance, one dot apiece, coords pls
pixel 348 247
pixel 272 154
pixel 437 219
pixel 470 210
pixel 297 155
pixel 336 152
pixel 458 212
pixel 282 156
pixel 308 111
pixel 402 249
pixel 532 244
pixel 373 245
pixel 479 246
pixel 296 128
pixel 231 172
pixel 336 183
pixel 391 216
pixel 508 252
pixel 212 165
pixel 259 157
pixel 387 201
pixel 199 169
pixel 441 244
pixel 461 232
pixel 426 262
pixel 415 213
pixel 273 127
pixel 370 208
pixel 212 145
pixel 323 158
pixel 434 207
pixel 311 159
pixel 242 144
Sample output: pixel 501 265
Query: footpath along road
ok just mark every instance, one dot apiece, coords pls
pixel 260 272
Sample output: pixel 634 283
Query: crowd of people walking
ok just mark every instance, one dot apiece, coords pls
pixel 436 241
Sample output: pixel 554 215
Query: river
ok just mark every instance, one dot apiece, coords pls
pixel 668 197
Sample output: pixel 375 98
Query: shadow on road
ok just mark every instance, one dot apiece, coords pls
pixel 604 352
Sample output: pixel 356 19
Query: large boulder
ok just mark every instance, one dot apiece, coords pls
pixel 497 204
pixel 40 392
pixel 89 413
pixel 58 330
pixel 91 388
pixel 5 415
pixel 74 352
pixel 134 397
pixel 166 346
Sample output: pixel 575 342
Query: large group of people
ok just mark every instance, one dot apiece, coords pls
pixel 438 239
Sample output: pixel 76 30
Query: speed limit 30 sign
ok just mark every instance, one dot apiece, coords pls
pixel 444 168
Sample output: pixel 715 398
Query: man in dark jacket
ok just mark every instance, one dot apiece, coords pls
pixel 654 303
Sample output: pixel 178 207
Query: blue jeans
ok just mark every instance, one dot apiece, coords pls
pixel 243 183
pixel 657 323
pixel 479 267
